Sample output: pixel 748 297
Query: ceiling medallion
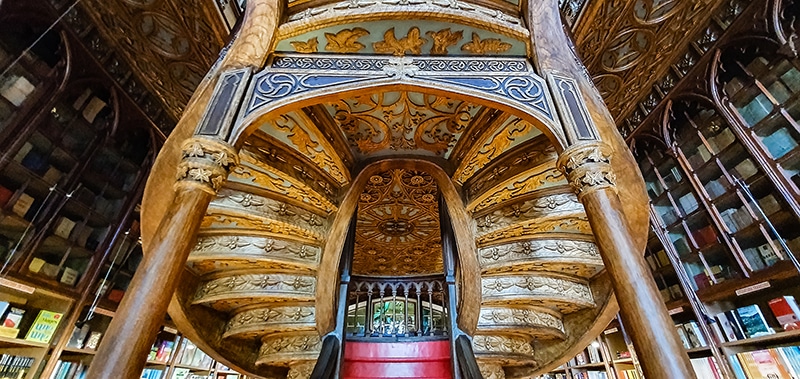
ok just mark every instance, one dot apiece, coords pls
pixel 397 230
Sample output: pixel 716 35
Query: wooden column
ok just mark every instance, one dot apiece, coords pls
pixel 643 312
pixel 126 344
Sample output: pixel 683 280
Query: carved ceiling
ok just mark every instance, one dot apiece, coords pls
pixel 397 230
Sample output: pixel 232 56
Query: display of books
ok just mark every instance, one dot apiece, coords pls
pixel 44 326
pixel 753 321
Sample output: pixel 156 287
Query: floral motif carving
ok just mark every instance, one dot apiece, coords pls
pixel 249 246
pixel 288 349
pixel 480 46
pixel 270 208
pixel 539 248
pixel 491 370
pixel 443 39
pixel 569 225
pixel 494 345
pixel 532 180
pixel 398 225
pixel 520 319
pixel 546 206
pixel 497 144
pixel 309 46
pixel 282 285
pixel 538 286
pixel 253 172
pixel 274 317
pixel 301 370
pixel 411 43
pixel 217 219
pixel 205 164
pixel 588 168
pixel 346 40
pixel 404 121
pixel 302 134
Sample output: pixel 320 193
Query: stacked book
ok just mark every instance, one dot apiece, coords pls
pixel 749 321
pixel 69 370
pixel 691 335
pixel 151 373
pixel 782 362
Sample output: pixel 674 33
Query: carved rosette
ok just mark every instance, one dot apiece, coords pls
pixel 205 164
pixel 273 319
pixel 288 349
pixel 588 167
pixel 533 321
pixel 491 370
pixel 503 349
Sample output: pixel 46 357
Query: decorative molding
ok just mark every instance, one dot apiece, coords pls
pixel 543 252
pixel 559 204
pixel 525 321
pixel 498 143
pixel 568 294
pixel 573 227
pixel 271 208
pixel 259 174
pixel 218 220
pixel 268 320
pixel 588 167
pixel 278 286
pixel 301 370
pixel 205 164
pixel 501 345
pixel 252 247
pixel 286 350
pixel 486 46
pixel 542 176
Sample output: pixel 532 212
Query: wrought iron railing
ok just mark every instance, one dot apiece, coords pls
pixel 397 307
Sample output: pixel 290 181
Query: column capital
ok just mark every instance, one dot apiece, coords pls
pixel 205 164
pixel 588 167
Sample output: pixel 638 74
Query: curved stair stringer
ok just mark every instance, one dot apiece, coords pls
pixel 248 295
pixel 545 293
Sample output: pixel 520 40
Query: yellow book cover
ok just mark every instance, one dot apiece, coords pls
pixel 44 327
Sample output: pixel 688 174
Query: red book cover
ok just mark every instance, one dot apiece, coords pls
pixel 785 310
pixel 5 196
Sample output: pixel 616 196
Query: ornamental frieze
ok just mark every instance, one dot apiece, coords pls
pixel 301 370
pixel 221 220
pixel 272 319
pixel 254 248
pixel 510 132
pixel 541 322
pixel 283 349
pixel 540 177
pixel 491 370
pixel 244 202
pixel 573 227
pixel 495 345
pixel 258 174
pixel 272 285
pixel 551 255
pixel 559 204
pixel 569 294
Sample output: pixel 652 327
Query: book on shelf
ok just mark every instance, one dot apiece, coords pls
pixel 768 254
pixel 64 227
pixel 94 340
pixel 746 168
pixel 11 322
pixel 69 276
pixel 69 370
pixel 728 325
pixel 736 366
pixel 786 311
pixel 694 334
pixel 16 89
pixel 779 143
pixel 23 204
pixel 5 196
pixel 675 291
pixel 762 364
pixel 180 373
pixel 684 338
pixel 151 373
pixel 15 366
pixel 52 175
pixel 78 338
pixel 753 320
pixel 790 356
pixel 93 108
pixel 44 326
pixel 706 368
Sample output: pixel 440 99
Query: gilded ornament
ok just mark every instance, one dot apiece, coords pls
pixel 297 287
pixel 346 40
pixel 491 370
pixel 205 164
pixel 318 150
pixel 537 249
pixel 546 206
pixel 252 247
pixel 301 370
pixel 411 43
pixel 569 294
pixel 285 348
pixel 539 177
pixel 491 149
pixel 588 167
pixel 575 226
pixel 494 345
pixel 217 219
pixel 271 318
pixel 480 46
pixel 520 319
pixel 443 39
pixel 309 46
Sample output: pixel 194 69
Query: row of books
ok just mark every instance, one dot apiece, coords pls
pixel 700 157
pixel 589 355
pixel 762 256
pixel 691 335
pixel 628 374
pixel 706 368
pixel 69 370
pixel 16 89
pixel 672 292
pixel 721 140
pixel 736 219
pixel 779 142
pixel 14 366
pixel 590 375
pixel 188 354
pixel 41 330
pixel 778 363
pixel 84 337
pixel 749 321
pixel 151 373
pixel 161 351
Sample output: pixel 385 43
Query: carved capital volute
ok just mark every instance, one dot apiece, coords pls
pixel 588 167
pixel 205 164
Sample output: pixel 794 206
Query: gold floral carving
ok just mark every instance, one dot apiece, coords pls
pixel 267 149
pixel 508 166
pixel 289 286
pixel 269 319
pixel 318 150
pixel 256 173
pixel 588 167
pixel 402 121
pixel 283 350
pixel 398 225
pixel 501 345
pixel 217 219
pixel 480 46
pixel 547 206
pixel 443 39
pixel 411 43
pixel 497 144
pixel 309 46
pixel 538 249
pixel 301 370
pixel 567 294
pixel 521 320
pixel 205 164
pixel 538 228
pixel 244 202
pixel 253 247
pixel 346 40
pixel 542 176
pixel 491 370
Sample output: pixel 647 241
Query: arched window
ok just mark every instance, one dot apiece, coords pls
pixel 763 92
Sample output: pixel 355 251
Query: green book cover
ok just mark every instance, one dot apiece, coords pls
pixel 44 327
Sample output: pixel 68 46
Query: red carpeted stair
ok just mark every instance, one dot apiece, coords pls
pixel 375 360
